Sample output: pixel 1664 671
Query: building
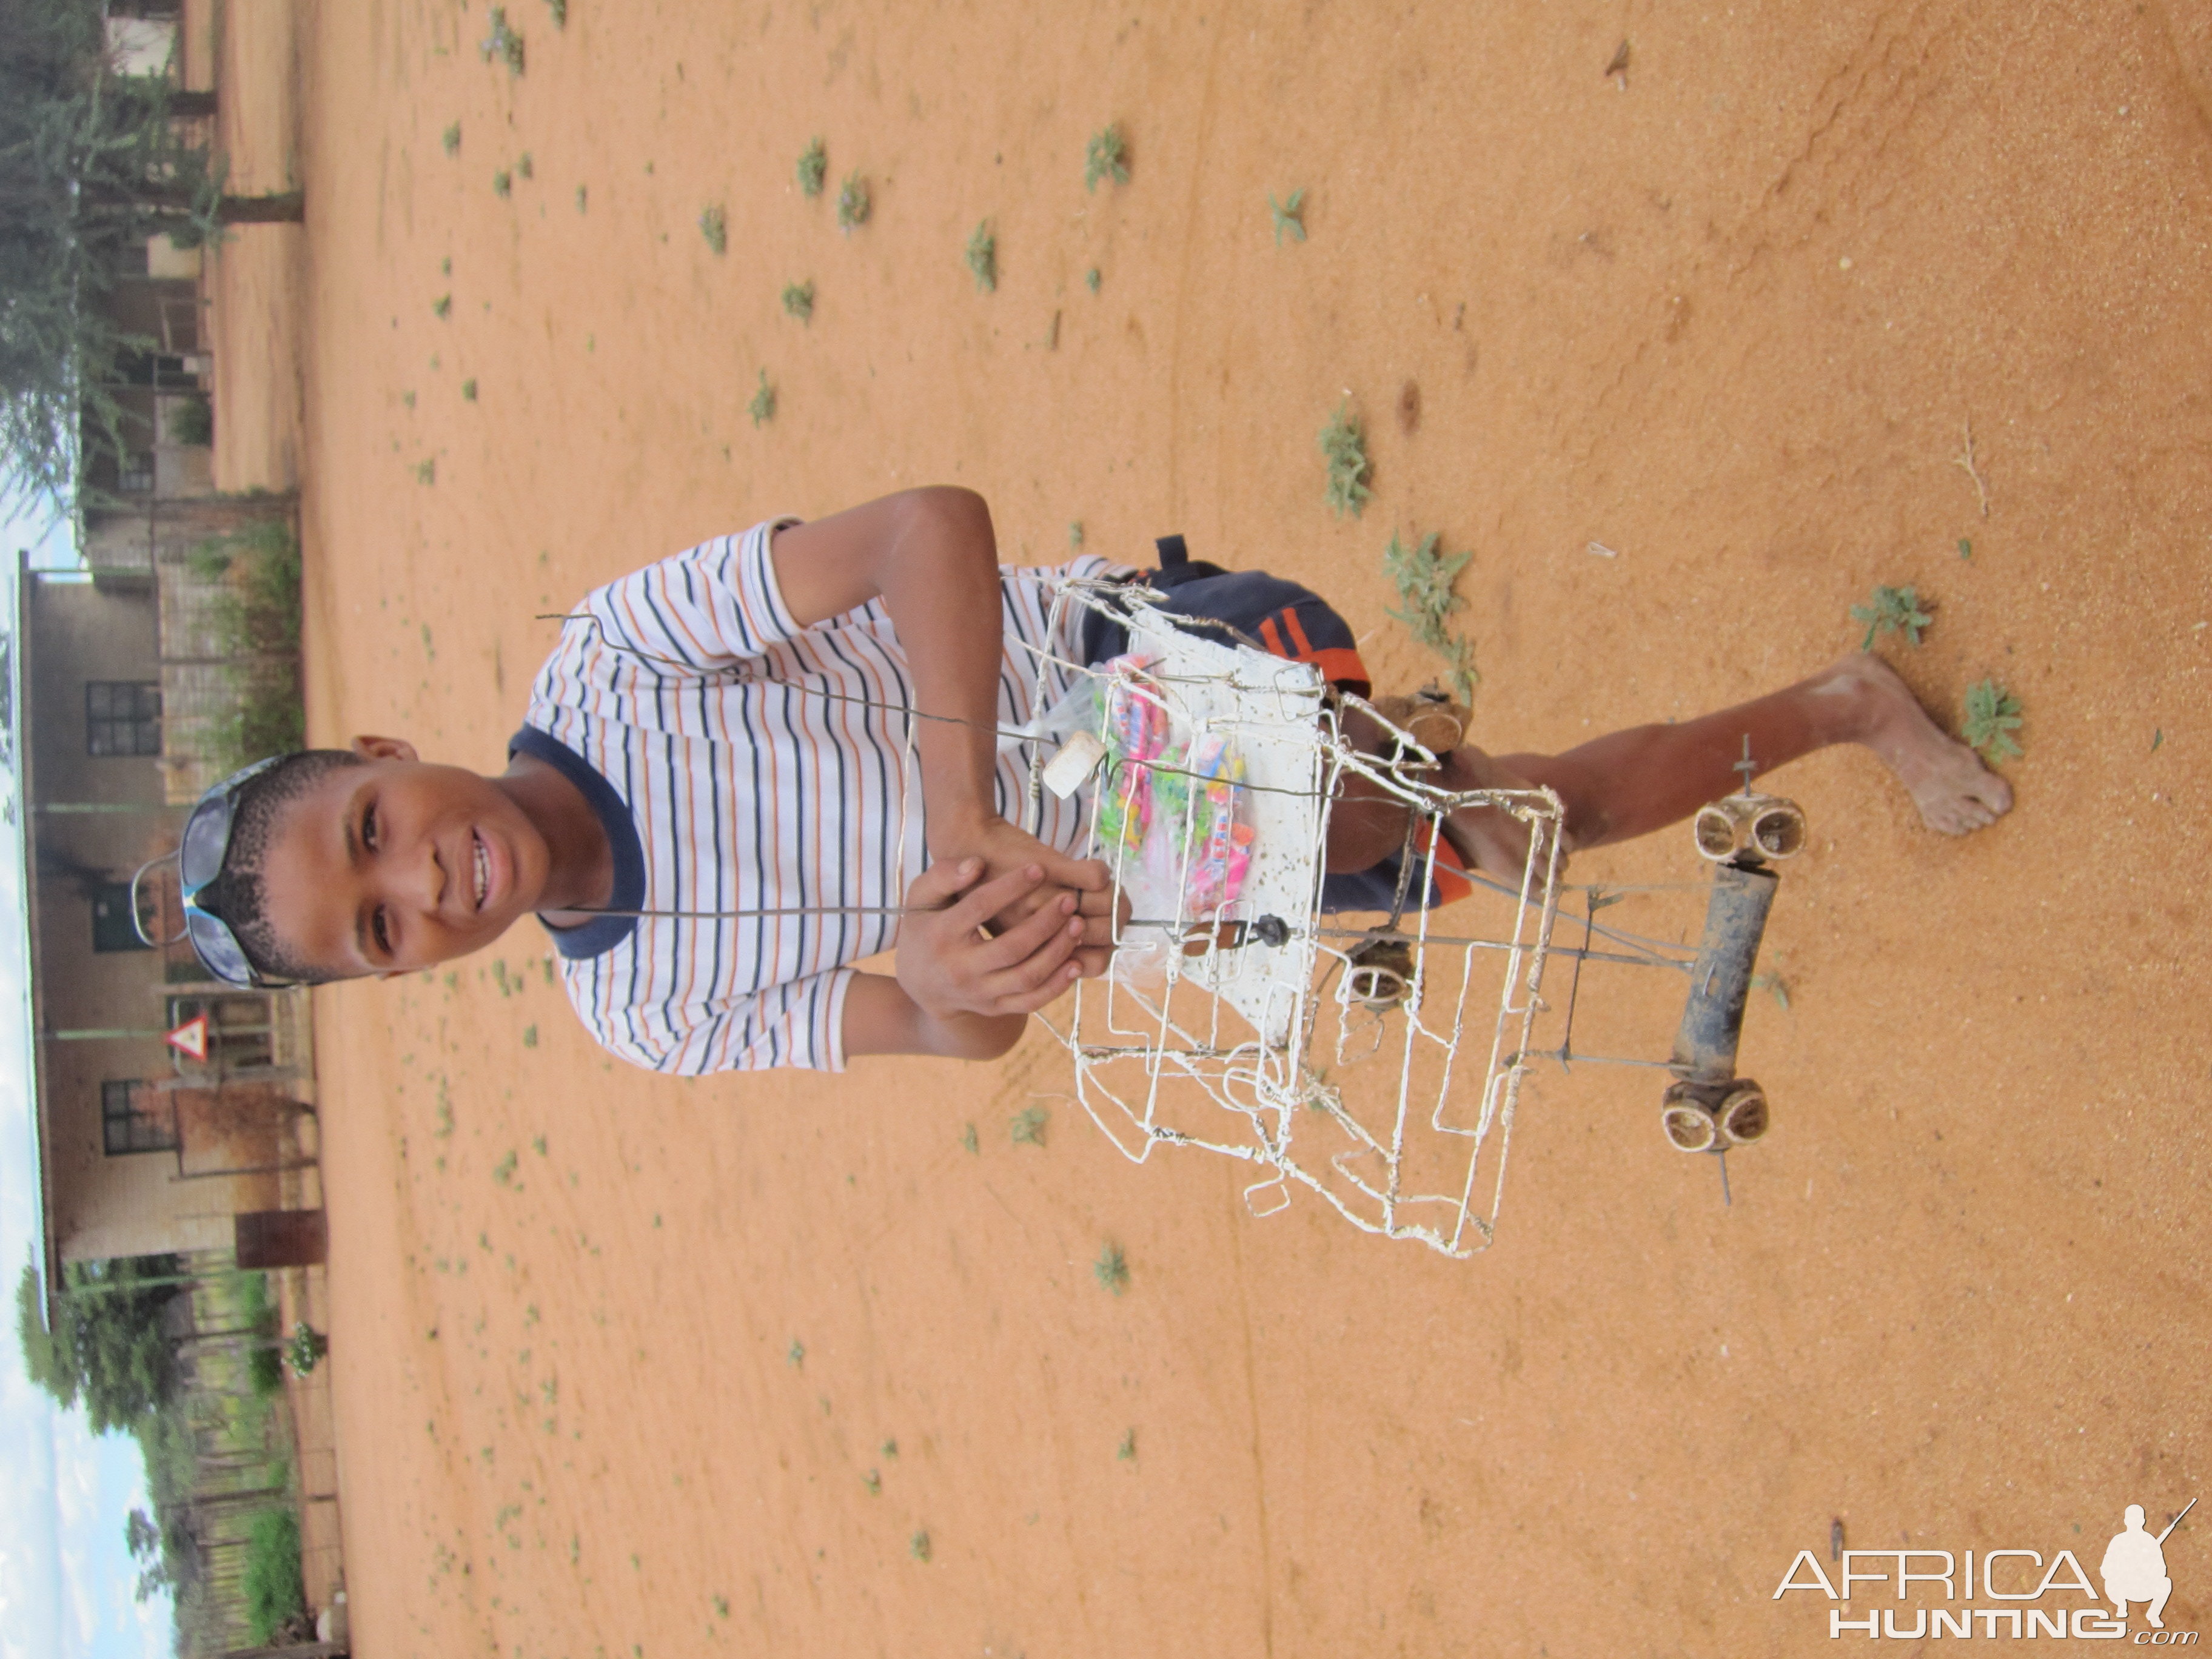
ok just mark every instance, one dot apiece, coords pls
pixel 141 1148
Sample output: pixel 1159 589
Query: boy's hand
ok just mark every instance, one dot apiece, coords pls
pixel 1005 848
pixel 948 968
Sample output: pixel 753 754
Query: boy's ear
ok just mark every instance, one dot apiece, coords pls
pixel 397 749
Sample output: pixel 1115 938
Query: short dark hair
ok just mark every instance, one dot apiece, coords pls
pixel 237 894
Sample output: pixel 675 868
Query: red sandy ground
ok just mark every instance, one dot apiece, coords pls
pixel 1730 321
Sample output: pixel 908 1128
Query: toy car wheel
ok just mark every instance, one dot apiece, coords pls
pixel 1743 1115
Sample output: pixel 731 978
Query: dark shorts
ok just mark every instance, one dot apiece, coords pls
pixel 1284 620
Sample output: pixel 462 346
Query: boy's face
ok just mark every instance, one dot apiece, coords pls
pixel 396 865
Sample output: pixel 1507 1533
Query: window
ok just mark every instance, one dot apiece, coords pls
pixel 111 929
pixel 122 717
pixel 125 1126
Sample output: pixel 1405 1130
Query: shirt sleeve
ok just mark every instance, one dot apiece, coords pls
pixel 637 651
pixel 799 1024
pixel 695 612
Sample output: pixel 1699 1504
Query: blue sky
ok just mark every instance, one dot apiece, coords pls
pixel 66 1579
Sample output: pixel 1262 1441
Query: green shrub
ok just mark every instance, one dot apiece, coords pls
pixel 275 1592
pixel 814 168
pixel 265 1370
pixel 1106 159
pixel 1345 447
pixel 192 421
pixel 256 620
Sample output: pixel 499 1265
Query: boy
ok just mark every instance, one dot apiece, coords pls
pixel 724 731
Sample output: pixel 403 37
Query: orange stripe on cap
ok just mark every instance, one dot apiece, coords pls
pixel 1340 665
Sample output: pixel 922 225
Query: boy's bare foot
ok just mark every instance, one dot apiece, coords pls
pixel 1954 792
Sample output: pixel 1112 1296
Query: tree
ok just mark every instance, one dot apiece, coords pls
pixel 105 1349
pixel 144 1538
pixel 91 164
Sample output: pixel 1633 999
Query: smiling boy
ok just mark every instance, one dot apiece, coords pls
pixel 726 732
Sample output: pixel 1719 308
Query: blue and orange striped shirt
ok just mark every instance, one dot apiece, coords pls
pixel 743 763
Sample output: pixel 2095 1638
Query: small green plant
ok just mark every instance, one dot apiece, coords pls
pixel 502 183
pixel 530 1036
pixel 276 1595
pixel 469 389
pixel 451 138
pixel 918 1546
pixel 891 1449
pixel 968 1139
pixel 799 300
pixel 526 166
pixel 1965 548
pixel 583 199
pixel 874 1483
pixel 1892 611
pixel 502 43
pixel 1106 158
pixel 796 1355
pixel 560 11
pixel 814 168
pixel 1775 985
pixel 426 472
pixel 264 1372
pixel 1127 1451
pixel 763 407
pixel 306 1349
pixel 1345 447
pixel 1091 279
pixel 712 227
pixel 445 266
pixel 191 420
pixel 503 1171
pixel 1288 216
pixel 854 203
pixel 442 306
pixel 983 258
pixel 1075 533
pixel 1993 714
pixel 1028 1125
pixel 1111 1269
pixel 1424 579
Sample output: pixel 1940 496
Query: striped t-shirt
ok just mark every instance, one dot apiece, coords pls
pixel 741 763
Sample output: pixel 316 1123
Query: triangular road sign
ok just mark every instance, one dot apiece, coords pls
pixel 190 1038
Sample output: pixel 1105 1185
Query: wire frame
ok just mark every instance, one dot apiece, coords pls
pixel 1375 1061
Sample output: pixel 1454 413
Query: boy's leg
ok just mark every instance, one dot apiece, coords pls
pixel 1630 783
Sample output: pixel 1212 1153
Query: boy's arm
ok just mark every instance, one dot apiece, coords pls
pixel 931 556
